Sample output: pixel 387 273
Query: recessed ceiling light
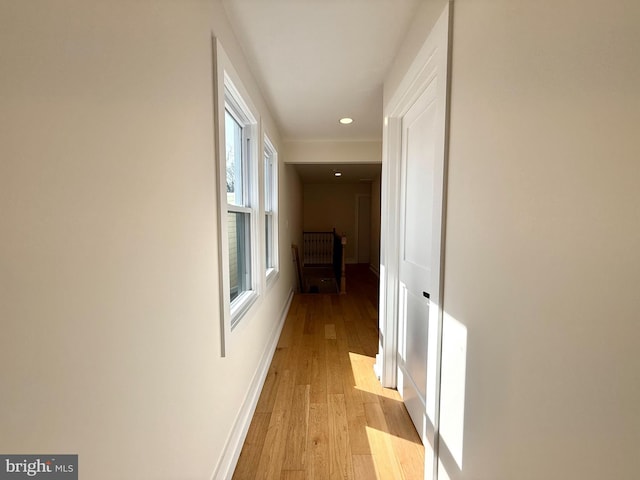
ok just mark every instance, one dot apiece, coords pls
pixel 346 120
pixel 337 174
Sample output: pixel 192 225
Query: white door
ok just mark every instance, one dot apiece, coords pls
pixel 414 155
pixel 419 267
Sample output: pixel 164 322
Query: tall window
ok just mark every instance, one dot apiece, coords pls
pixel 270 203
pixel 238 208
pixel 240 204
pixel 241 200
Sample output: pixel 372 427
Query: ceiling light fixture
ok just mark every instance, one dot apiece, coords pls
pixel 337 174
pixel 346 120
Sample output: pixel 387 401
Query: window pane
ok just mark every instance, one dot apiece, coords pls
pixel 233 152
pixel 268 222
pixel 268 180
pixel 239 253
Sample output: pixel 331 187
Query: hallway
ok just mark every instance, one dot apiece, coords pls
pixel 322 413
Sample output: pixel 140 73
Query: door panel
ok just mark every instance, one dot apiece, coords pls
pixel 418 128
pixel 419 239
pixel 416 354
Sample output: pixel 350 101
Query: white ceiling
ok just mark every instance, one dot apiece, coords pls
pixel 320 60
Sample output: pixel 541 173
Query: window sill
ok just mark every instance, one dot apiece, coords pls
pixel 272 276
pixel 241 305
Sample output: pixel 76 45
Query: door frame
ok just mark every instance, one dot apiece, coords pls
pixel 414 83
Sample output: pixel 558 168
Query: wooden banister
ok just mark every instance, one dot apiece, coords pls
pixel 323 253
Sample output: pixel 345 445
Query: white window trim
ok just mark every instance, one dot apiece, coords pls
pixel 272 273
pixel 228 89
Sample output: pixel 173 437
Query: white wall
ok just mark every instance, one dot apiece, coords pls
pixel 542 260
pixel 292 201
pixel 356 151
pixel 328 206
pixel 375 224
pixel 424 18
pixel 109 287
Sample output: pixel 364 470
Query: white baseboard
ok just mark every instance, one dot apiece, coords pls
pixel 229 459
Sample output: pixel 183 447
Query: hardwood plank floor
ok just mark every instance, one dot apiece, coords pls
pixel 322 413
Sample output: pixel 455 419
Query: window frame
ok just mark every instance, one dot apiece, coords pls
pixel 247 205
pixel 270 203
pixel 237 106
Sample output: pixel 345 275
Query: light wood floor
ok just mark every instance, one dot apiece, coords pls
pixel 322 413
